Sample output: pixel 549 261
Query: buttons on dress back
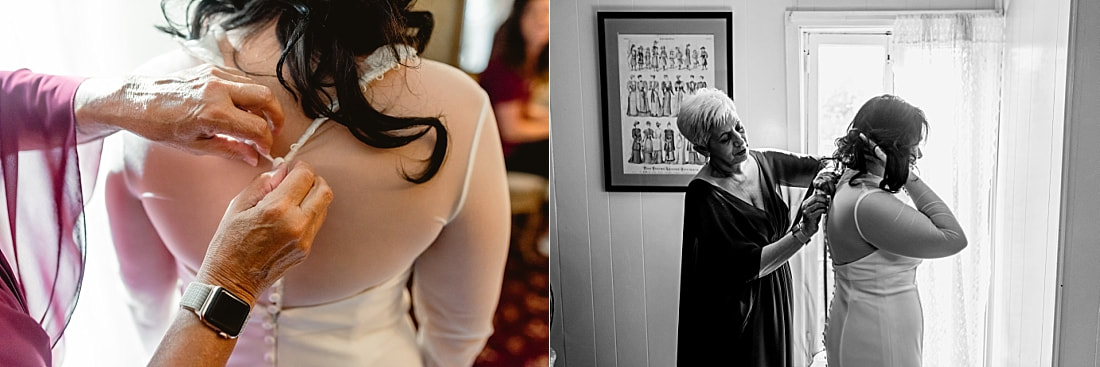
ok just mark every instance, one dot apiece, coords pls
pixel 271 322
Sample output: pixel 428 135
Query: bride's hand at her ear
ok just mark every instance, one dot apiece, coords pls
pixel 881 157
pixel 877 152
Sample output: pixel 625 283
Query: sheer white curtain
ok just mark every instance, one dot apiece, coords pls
pixel 808 307
pixel 950 66
pixel 88 38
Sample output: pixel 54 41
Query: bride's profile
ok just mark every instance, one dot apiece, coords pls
pixel 877 241
pixel 410 149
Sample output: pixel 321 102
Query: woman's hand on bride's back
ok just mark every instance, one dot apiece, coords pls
pixel 812 209
pixel 203 110
pixel 267 229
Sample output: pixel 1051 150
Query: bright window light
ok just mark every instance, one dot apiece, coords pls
pixel 480 22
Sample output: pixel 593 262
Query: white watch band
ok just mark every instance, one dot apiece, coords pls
pixel 195 296
pixel 217 307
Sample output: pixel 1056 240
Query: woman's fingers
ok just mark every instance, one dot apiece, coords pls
pixel 814 214
pixel 816 199
pixel 318 198
pixel 229 74
pixel 201 103
pixel 879 154
pixel 298 182
pixel 256 190
pixel 251 97
pixel 228 148
pixel 258 100
pixel 815 206
pixel 244 126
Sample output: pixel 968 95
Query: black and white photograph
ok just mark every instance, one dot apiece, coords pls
pixel 834 183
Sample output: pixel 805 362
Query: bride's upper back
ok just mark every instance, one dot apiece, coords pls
pixel 845 243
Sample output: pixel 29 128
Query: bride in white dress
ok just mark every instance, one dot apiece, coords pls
pixel 411 150
pixel 877 241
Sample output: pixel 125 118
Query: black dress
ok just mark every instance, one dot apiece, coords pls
pixel 728 316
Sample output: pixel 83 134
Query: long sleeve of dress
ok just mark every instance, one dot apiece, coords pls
pixel 929 231
pixel 42 247
pixel 147 268
pixel 793 169
pixel 457 280
pixel 37 109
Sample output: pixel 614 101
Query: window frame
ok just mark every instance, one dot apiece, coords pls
pixel 799 24
pixel 813 39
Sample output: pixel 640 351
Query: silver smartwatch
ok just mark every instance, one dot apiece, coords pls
pixel 217 307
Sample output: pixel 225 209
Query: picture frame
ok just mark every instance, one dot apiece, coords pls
pixel 649 61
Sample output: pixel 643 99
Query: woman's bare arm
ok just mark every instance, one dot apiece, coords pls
pixel 518 124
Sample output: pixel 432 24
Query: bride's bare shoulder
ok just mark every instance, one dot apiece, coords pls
pixel 441 81
pixel 429 87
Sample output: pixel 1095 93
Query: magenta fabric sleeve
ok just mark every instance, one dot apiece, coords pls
pixel 42 236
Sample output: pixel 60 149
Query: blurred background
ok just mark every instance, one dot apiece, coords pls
pixel 112 37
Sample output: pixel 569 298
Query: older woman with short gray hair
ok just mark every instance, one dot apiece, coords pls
pixel 737 239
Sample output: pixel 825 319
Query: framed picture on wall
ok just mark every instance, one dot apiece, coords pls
pixel 650 61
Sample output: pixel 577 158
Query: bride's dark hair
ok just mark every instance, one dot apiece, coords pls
pixel 892 123
pixel 322 41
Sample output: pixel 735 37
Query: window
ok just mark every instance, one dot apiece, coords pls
pixel 843 70
pixel 840 71
pixel 949 65
pixel 479 25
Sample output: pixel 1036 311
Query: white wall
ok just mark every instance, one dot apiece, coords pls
pixel 447 14
pixel 1078 335
pixel 106 37
pixel 615 257
pixel 1028 183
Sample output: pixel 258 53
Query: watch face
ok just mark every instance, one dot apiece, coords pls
pixel 226 312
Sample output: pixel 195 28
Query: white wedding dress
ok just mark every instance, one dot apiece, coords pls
pixel 876 318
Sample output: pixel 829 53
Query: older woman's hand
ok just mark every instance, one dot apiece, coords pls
pixel 202 110
pixel 812 209
pixel 268 228
pixel 825 182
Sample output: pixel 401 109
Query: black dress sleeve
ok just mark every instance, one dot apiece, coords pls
pixel 792 169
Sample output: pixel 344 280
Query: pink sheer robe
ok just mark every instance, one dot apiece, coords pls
pixel 42 241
